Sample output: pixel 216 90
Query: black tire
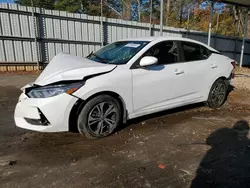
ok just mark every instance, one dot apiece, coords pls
pixel 94 124
pixel 218 94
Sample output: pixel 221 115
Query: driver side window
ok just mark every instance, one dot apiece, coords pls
pixel 165 52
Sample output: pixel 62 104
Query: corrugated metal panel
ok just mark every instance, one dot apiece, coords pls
pixel 49 28
pixel 78 30
pixel 91 36
pixel 85 50
pixel 91 48
pixel 85 36
pixel 65 48
pixel 25 28
pixel 34 53
pixel 18 48
pixel 58 48
pixel 72 48
pixel 31 27
pixel 64 28
pixel 1 26
pixel 5 24
pixel 57 28
pixel 8 45
pixel 109 39
pixel 2 52
pixel 3 5
pixel 79 34
pixel 51 50
pixel 71 29
pixel 15 24
pixel 97 33
pixel 28 51
pixel 79 50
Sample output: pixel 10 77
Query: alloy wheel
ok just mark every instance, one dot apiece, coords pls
pixel 218 94
pixel 102 119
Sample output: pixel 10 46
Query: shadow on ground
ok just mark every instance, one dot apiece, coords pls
pixel 227 163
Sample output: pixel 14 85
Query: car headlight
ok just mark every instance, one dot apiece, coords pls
pixel 50 91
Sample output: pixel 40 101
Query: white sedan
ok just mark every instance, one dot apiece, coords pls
pixel 121 81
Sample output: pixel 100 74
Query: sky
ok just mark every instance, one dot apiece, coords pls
pixel 6 1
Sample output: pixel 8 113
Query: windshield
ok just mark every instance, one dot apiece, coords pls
pixel 118 52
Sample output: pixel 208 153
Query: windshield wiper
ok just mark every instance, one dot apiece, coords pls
pixel 89 55
pixel 102 60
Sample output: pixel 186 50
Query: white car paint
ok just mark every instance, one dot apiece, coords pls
pixel 56 110
pixel 69 67
pixel 142 90
pixel 148 61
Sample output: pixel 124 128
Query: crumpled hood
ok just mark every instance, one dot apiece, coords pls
pixel 65 67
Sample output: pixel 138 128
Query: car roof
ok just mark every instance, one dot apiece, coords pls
pixel 164 38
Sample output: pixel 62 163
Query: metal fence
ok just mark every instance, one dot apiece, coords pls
pixel 31 35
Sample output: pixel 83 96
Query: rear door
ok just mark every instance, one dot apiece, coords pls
pixel 198 68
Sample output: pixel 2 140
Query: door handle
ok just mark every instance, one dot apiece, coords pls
pixel 213 66
pixel 178 72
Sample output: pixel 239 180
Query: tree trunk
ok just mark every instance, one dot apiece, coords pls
pixel 139 10
pixel 167 11
pixel 248 30
pixel 126 12
pixel 217 24
pixel 181 13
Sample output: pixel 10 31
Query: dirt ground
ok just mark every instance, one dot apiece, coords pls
pixel 191 146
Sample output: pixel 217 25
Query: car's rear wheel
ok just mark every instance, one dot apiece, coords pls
pixel 99 117
pixel 218 94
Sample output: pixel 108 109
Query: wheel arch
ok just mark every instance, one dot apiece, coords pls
pixel 75 111
pixel 214 80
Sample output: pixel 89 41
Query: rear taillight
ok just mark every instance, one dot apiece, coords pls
pixel 234 64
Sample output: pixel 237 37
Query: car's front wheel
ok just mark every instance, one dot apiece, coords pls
pixel 218 94
pixel 99 117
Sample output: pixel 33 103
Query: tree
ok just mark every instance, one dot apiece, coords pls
pixel 69 5
pixel 48 4
pixel 248 31
pixel 190 14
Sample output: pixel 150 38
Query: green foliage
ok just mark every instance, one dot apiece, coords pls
pixel 68 5
pixel 226 22
pixel 48 4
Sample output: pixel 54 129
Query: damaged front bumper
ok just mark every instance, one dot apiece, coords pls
pixel 44 114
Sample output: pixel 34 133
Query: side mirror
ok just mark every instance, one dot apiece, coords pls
pixel 148 60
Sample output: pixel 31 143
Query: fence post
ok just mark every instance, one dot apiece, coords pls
pixel 244 39
pixel 41 35
pixel 152 30
pixel 35 34
pixel 105 31
pixel 150 18
pixel 102 29
pixel 210 23
pixel 235 47
pixel 161 18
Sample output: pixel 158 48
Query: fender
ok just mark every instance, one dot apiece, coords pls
pixel 221 75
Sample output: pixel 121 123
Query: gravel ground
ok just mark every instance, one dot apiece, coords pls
pixel 242 79
pixel 191 146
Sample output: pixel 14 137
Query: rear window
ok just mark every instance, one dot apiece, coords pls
pixel 194 52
